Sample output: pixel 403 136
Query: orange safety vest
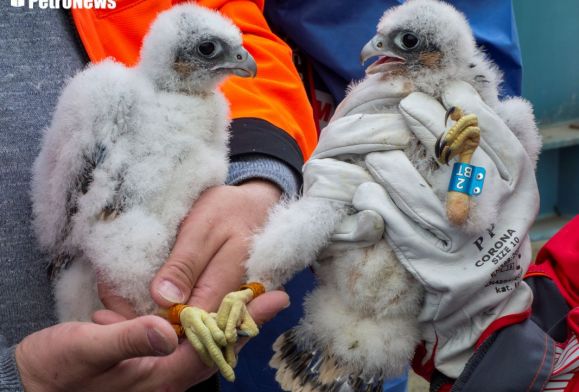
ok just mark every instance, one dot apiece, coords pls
pixel 276 95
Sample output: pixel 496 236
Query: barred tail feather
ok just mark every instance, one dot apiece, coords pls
pixel 304 369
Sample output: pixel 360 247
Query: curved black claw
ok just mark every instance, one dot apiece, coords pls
pixel 449 113
pixel 439 149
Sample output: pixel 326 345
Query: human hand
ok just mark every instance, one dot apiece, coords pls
pixel 213 239
pixel 119 355
pixel 207 260
pixel 75 356
pixel 462 270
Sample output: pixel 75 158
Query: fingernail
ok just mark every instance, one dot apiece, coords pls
pixel 288 305
pixel 170 292
pixel 158 343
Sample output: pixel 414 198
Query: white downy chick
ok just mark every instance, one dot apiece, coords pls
pixel 360 324
pixel 127 153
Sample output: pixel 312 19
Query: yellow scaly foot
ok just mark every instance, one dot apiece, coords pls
pixel 213 335
pixel 233 314
pixel 202 331
pixel 461 140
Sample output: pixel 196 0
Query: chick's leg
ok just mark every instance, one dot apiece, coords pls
pixel 214 335
pixel 303 227
pixel 461 140
pixel 233 314
pixel 205 336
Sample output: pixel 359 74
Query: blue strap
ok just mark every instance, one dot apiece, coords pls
pixel 467 179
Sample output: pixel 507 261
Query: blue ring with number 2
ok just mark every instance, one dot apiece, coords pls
pixel 467 179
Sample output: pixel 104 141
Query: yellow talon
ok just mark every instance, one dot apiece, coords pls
pixel 199 347
pixel 233 313
pixel 204 335
pixel 461 140
pixel 230 355
pixel 213 336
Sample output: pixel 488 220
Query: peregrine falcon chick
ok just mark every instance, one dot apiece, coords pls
pixel 128 152
pixel 360 323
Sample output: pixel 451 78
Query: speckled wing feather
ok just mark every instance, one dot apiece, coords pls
pixel 91 161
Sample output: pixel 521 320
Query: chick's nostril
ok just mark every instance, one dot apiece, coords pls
pixel 239 57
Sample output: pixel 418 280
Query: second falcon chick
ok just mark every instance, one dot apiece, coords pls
pixel 360 323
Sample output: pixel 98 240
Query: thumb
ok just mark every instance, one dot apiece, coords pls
pixel 107 345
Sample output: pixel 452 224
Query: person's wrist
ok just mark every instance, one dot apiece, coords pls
pixel 260 166
pixel 262 189
pixel 10 379
pixel 27 378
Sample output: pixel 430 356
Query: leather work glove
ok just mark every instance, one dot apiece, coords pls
pixel 330 175
pixel 366 121
pixel 472 274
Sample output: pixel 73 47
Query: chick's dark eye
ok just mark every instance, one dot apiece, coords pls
pixel 207 49
pixel 409 40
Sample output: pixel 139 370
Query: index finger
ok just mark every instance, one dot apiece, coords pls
pixel 114 302
pixel 223 274
pixel 267 305
pixel 197 242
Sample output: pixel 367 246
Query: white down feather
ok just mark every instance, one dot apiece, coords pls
pixel 165 141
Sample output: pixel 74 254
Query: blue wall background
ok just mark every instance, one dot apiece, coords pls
pixel 549 37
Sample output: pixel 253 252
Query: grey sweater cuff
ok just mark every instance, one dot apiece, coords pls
pixel 9 376
pixel 252 166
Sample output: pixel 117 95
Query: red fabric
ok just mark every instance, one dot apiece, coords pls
pixel 573 321
pixel 422 366
pixel 573 386
pixel 445 388
pixel 559 260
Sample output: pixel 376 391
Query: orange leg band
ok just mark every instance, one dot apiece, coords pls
pixel 178 330
pixel 256 287
pixel 174 312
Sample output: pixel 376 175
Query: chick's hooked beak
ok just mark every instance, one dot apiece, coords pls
pixel 377 46
pixel 240 63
